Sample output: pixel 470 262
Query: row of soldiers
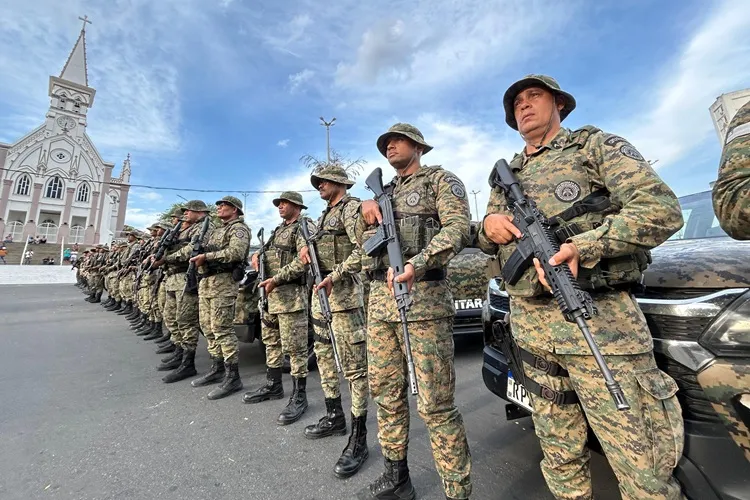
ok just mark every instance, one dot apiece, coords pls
pixel 560 169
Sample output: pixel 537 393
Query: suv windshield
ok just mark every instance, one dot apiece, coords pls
pixel 700 221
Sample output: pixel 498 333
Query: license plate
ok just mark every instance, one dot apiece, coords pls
pixel 518 393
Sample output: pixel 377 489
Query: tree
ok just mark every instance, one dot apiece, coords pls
pixel 127 228
pixel 351 167
pixel 166 217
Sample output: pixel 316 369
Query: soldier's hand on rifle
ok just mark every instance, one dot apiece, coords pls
pixel 406 277
pixel 568 254
pixel 199 259
pixel 304 255
pixel 327 283
pixel 254 260
pixel 156 263
pixel 268 284
pixel 370 210
pixel 500 229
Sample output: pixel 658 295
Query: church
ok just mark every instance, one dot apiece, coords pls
pixel 55 183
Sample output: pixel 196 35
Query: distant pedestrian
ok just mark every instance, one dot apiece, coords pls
pixel 3 253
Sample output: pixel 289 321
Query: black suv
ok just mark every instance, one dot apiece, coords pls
pixel 696 300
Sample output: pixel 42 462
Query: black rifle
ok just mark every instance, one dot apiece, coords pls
pixel 325 306
pixel 539 241
pixel 386 237
pixel 263 300
pixel 166 241
pixel 191 278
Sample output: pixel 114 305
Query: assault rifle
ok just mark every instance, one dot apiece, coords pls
pixel 191 278
pixel 325 305
pixel 539 241
pixel 386 237
pixel 166 241
pixel 263 301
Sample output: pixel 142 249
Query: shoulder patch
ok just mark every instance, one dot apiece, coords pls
pixel 738 131
pixel 613 140
pixel 458 190
pixel 412 199
pixel 631 152
pixel 241 233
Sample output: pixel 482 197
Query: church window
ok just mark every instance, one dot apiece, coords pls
pixel 54 188
pixel 23 186
pixel 83 193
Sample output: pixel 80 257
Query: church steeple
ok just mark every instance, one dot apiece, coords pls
pixel 75 69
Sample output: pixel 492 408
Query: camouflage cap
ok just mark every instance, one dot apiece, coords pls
pixel 100 245
pixel 129 233
pixel 196 206
pixel 290 196
pixel 406 130
pixel 544 81
pixel 177 212
pixel 163 225
pixel 332 173
pixel 235 202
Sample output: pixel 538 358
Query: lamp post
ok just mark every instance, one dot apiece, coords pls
pixel 328 125
pixel 476 207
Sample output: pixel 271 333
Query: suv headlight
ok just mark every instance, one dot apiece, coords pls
pixel 729 333
pixel 495 287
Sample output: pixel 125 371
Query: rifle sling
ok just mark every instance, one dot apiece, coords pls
pixel 430 275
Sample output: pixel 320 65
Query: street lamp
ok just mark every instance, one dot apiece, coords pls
pixel 328 125
pixel 476 207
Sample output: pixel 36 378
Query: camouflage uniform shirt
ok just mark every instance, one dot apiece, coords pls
pixel 731 193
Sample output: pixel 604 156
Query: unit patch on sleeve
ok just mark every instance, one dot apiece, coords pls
pixel 567 191
pixel 412 199
pixel 631 152
pixel 458 191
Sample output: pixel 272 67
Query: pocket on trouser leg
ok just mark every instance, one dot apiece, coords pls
pixel 662 417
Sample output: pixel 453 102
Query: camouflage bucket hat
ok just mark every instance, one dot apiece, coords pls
pixel 290 196
pixel 331 173
pixel 177 212
pixel 406 130
pixel 163 225
pixel 196 206
pixel 544 81
pixel 235 202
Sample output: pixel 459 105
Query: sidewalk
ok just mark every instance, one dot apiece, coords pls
pixel 36 275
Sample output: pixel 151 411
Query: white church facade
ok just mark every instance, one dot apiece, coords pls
pixel 54 182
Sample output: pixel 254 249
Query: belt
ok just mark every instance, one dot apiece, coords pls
pixel 430 275
pixel 214 272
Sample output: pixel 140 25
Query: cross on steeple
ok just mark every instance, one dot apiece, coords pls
pixel 85 20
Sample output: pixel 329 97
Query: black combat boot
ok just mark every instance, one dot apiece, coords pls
pixel 91 296
pixel 146 329
pixel 155 332
pixel 356 452
pixel 214 375
pixel 139 322
pixel 108 301
pixel 164 335
pixel 297 404
pixel 174 361
pixel 230 384
pixel 185 370
pixel 116 305
pixel 134 313
pixel 394 484
pixel 127 309
pixel 97 297
pixel 333 422
pixel 273 389
pixel 170 347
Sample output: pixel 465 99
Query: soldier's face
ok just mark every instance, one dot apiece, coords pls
pixel 287 210
pixel 225 211
pixel 401 152
pixel 328 190
pixel 193 216
pixel 533 107
pixel 131 238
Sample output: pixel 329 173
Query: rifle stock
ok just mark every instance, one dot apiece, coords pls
pixel 263 300
pixel 539 241
pixel 191 277
pixel 386 237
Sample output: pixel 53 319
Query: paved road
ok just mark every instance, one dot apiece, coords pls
pixel 84 415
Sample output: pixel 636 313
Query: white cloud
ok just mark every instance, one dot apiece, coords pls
pixel 141 218
pixel 147 195
pixel 298 79
pixel 675 119
pixel 283 143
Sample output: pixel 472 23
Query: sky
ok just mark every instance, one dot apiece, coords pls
pixel 227 94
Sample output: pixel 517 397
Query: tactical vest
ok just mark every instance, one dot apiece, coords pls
pixel 416 216
pixel 332 242
pixel 282 247
pixel 586 214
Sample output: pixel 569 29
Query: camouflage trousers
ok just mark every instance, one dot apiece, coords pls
pixel 181 318
pixel 351 339
pixel 432 350
pixel 97 282
pixel 643 444
pixel 157 313
pixel 126 287
pixel 217 323
pixel 113 286
pixel 288 335
pixel 144 295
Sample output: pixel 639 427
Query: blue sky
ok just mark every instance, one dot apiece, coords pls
pixel 226 94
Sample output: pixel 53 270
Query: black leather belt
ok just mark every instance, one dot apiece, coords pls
pixel 214 272
pixel 430 275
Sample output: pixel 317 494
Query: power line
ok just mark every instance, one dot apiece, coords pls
pixel 162 188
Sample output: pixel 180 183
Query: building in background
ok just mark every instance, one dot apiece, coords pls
pixel 724 109
pixel 54 182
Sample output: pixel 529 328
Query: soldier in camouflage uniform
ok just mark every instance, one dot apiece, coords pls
pixel 340 262
pixel 221 267
pixel 606 247
pixel 432 217
pixel 125 275
pixel 731 193
pixel 185 325
pixel 157 278
pixel 113 281
pixel 143 325
pixel 284 325
pixel 168 308
pixel 96 277
pixel 152 329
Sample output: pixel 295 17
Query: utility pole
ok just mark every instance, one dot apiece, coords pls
pixel 476 207
pixel 244 199
pixel 328 125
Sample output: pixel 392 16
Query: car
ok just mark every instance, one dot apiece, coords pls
pixel 695 296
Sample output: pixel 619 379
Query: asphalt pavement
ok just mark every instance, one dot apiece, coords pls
pixel 84 415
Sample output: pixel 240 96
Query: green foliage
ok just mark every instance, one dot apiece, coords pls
pixel 352 167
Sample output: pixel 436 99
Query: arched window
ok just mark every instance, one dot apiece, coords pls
pixel 23 185
pixel 83 193
pixel 77 234
pixel 54 188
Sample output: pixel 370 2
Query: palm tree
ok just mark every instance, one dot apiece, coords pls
pixel 351 167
